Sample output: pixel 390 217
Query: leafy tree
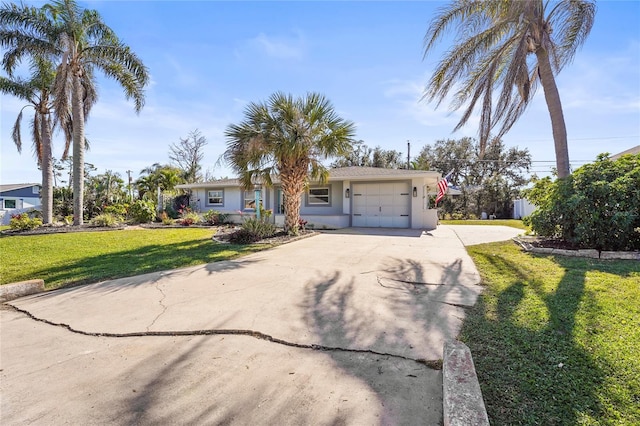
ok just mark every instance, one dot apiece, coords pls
pixel 387 159
pixel 36 91
pixel 187 155
pixel 289 138
pixel 494 44
pixel 103 190
pixel 488 182
pixel 358 156
pixel 82 43
pixel 598 206
pixel 363 156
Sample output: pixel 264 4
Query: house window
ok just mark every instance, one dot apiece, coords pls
pixel 319 196
pixel 250 200
pixel 35 189
pixel 9 204
pixel 215 197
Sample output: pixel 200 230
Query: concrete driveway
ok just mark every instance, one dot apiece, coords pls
pixel 333 329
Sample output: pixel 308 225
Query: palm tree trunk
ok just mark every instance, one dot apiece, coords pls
pixel 47 170
pixel 554 105
pixel 77 115
pixel 292 188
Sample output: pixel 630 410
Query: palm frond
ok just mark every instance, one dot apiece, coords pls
pixel 15 133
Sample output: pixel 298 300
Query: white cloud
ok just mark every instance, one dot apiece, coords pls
pixel 277 47
pixel 407 95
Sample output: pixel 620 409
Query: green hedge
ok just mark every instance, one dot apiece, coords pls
pixel 598 206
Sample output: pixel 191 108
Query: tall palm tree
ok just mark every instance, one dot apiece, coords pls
pixel 508 46
pixel 82 42
pixel 288 138
pixel 37 93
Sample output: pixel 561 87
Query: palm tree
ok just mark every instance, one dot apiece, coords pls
pixel 287 137
pixel 495 41
pixel 158 176
pixel 82 43
pixel 37 93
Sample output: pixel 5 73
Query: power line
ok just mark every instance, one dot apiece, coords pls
pixel 582 139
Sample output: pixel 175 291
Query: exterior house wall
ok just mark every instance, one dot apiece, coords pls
pixel 522 208
pixel 233 202
pixel 415 212
pixel 335 201
pixel 19 200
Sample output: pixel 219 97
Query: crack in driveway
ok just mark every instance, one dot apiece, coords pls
pixel 164 307
pixel 433 364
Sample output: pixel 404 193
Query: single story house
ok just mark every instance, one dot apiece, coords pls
pixel 17 198
pixel 352 197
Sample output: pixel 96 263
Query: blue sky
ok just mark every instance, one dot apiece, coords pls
pixel 208 59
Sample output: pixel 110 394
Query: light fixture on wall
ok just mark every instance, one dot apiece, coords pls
pixel 346 193
pixel 415 191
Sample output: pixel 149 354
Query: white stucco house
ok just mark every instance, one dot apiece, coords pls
pixel 352 197
pixel 17 198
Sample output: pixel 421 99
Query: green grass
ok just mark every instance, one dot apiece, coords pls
pixel 515 223
pixel 555 340
pixel 85 257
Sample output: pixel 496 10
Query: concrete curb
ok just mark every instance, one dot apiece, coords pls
pixel 587 253
pixel 462 401
pixel 19 289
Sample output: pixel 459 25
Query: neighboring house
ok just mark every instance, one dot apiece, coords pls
pixel 352 197
pixel 635 150
pixel 522 207
pixel 17 198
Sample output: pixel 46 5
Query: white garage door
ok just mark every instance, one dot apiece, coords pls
pixel 385 205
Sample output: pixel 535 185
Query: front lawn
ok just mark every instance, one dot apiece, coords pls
pixel 85 257
pixel 556 340
pixel 514 223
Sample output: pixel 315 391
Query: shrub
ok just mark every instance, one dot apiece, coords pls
pixel 214 217
pixel 243 236
pixel 180 202
pixel 260 227
pixel 166 219
pixel 171 212
pixel 598 206
pixel 119 210
pixel 253 229
pixel 22 222
pixel 142 211
pixel 106 219
pixel 190 218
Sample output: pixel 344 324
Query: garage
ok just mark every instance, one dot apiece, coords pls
pixel 381 205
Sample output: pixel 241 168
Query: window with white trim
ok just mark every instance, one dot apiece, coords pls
pixel 35 189
pixel 9 204
pixel 320 196
pixel 250 200
pixel 215 197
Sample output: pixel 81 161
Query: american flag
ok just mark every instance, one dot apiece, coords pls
pixel 442 188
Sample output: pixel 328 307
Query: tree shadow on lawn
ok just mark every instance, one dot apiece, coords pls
pixel 535 372
pixel 144 260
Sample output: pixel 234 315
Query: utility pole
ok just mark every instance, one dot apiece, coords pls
pixel 408 155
